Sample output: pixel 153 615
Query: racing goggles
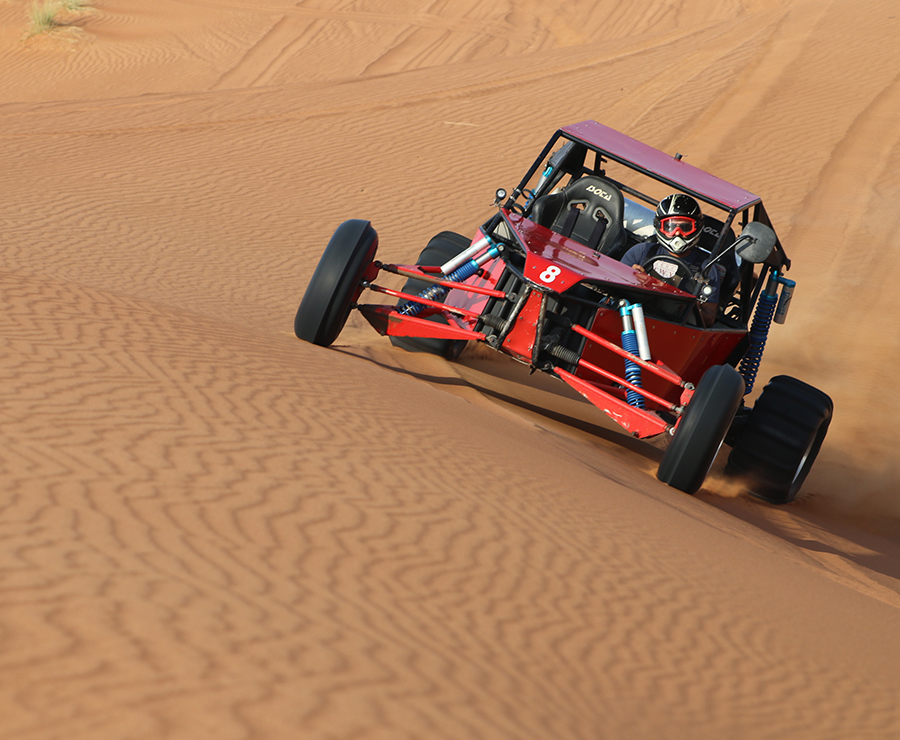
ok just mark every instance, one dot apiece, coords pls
pixel 685 226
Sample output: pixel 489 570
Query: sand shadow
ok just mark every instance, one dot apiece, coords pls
pixel 484 377
pixel 498 380
pixel 871 545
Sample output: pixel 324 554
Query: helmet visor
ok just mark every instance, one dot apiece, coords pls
pixel 683 226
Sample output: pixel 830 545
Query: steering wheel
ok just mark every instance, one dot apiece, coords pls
pixel 683 276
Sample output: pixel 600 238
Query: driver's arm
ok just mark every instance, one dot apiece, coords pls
pixel 709 308
pixel 708 313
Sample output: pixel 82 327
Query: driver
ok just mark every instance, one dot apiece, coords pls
pixel 677 225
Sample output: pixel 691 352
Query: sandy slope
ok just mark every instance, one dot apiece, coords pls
pixel 210 529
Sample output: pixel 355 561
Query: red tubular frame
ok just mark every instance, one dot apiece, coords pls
pixel 640 422
pixel 417 274
pixel 423 301
pixel 630 386
pixel 658 369
pixel 387 321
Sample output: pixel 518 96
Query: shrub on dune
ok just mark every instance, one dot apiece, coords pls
pixel 45 16
pixel 74 6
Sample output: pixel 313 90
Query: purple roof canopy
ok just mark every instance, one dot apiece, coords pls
pixel 626 150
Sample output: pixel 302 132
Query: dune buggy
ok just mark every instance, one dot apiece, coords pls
pixel 541 281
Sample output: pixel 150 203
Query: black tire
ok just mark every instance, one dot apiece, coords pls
pixel 699 436
pixel 442 248
pixel 781 438
pixel 335 284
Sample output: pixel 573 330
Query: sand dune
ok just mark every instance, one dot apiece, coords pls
pixel 211 529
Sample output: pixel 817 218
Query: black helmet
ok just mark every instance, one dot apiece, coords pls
pixel 678 222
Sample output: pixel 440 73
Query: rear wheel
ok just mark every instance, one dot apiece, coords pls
pixel 780 440
pixel 335 284
pixel 699 436
pixel 442 248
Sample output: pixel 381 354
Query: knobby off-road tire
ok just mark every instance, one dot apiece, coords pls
pixel 781 438
pixel 442 248
pixel 335 285
pixel 699 436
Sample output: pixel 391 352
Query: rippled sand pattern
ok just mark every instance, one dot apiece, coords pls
pixel 209 529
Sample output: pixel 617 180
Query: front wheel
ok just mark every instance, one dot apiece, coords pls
pixel 781 438
pixel 702 429
pixel 335 284
pixel 440 250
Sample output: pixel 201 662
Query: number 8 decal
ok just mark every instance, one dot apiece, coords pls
pixel 549 275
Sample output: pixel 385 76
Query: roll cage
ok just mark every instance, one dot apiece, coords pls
pixel 737 206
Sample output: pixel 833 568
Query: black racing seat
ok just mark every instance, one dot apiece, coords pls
pixel 589 210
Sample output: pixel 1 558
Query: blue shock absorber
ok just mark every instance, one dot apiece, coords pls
pixel 437 292
pixel 632 369
pixel 759 331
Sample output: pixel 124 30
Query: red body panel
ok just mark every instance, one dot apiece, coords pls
pixel 580 260
pixel 520 342
pixel 550 273
pixel 575 261
pixel 559 263
pixel 639 423
pixel 687 350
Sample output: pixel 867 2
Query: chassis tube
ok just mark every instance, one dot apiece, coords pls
pixel 638 422
pixel 426 278
pixel 423 301
pixel 668 405
pixel 662 372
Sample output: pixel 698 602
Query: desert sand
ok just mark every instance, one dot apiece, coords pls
pixel 210 529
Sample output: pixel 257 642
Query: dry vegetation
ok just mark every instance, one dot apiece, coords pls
pixel 46 16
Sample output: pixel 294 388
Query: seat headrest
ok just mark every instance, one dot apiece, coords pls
pixel 597 197
pixel 597 193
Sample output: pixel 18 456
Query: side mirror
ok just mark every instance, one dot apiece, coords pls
pixel 756 242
